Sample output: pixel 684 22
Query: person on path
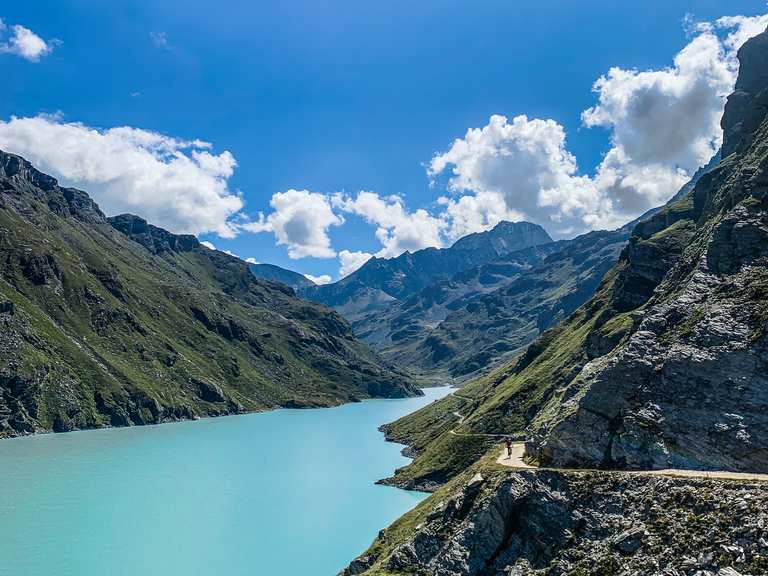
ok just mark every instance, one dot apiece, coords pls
pixel 508 442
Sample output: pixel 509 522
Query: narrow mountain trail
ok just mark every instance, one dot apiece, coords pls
pixel 516 461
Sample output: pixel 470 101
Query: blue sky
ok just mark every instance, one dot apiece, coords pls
pixel 338 97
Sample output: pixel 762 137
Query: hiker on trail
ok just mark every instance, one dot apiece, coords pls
pixel 508 442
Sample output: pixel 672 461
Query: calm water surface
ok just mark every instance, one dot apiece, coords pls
pixel 285 493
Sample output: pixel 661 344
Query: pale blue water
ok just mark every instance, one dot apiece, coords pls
pixel 284 493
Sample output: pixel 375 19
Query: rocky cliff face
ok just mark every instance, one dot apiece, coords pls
pixel 688 387
pixel 114 322
pixel 665 366
pixel 552 524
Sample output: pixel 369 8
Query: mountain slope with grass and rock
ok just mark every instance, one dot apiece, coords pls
pixel 115 322
pixel 625 405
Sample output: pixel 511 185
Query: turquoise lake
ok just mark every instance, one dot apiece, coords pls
pixel 289 492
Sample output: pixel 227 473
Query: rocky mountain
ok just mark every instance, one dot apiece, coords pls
pixel 446 315
pixel 487 314
pixel 274 273
pixel 664 367
pixel 381 280
pixel 577 524
pixel 114 322
pixel 687 386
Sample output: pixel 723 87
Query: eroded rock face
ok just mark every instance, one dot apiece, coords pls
pixel 747 106
pixel 689 387
pixel 154 239
pixel 548 524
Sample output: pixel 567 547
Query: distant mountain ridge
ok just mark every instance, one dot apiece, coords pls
pixel 488 314
pixel 445 314
pixel 380 280
pixel 277 274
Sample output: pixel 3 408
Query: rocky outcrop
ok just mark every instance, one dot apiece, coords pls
pixel 689 387
pixel 154 239
pixel 746 108
pixel 550 523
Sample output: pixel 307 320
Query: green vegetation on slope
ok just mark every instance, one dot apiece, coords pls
pixel 507 400
pixel 116 322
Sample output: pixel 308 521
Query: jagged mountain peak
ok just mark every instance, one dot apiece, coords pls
pixel 153 238
pixel 16 167
pixel 23 183
pixel 746 106
pixel 380 280
pixel 505 231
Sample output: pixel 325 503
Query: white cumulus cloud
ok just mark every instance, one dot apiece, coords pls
pixel 518 169
pixel 664 124
pixel 300 220
pixel 397 229
pixel 24 43
pixel 476 213
pixel 177 184
pixel 741 28
pixel 351 261
pixel 319 280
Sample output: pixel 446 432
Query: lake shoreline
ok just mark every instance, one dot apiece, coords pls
pixel 117 499
pixel 198 417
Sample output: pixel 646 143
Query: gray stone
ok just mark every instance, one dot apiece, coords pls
pixel 629 541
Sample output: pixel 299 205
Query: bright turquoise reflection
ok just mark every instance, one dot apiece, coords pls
pixel 285 493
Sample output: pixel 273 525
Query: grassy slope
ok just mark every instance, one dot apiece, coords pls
pixel 104 332
pixel 506 400
pixel 509 400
